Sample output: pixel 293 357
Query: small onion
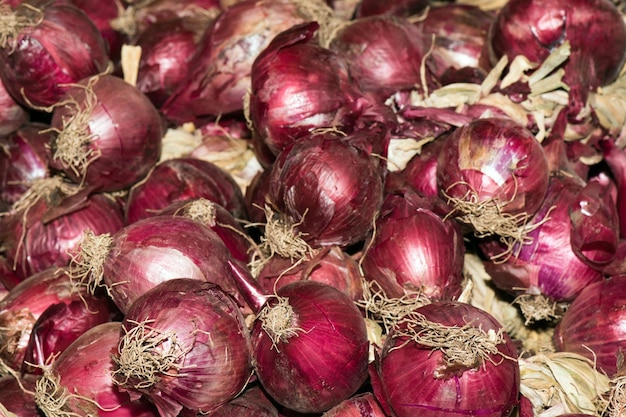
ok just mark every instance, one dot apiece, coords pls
pixel 184 344
pixel 181 179
pixel 79 381
pixel 462 362
pixel 309 343
pixel 413 250
pixel 46 50
pixel 593 325
pixel 108 133
pixel 150 251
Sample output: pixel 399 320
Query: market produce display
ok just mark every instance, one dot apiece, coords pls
pixel 312 208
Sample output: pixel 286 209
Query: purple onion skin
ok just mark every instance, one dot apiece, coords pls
pixel 84 369
pixel 498 159
pixel 298 86
pixel 548 265
pixel 421 171
pixel 331 189
pixel 615 158
pixel 593 325
pixel 25 158
pixel 160 248
pixel 15 398
pixel 414 250
pixel 402 8
pixel 220 70
pixel 384 54
pixel 208 324
pixel 361 405
pixel 323 364
pixel 252 402
pixel 45 235
pixel 594 28
pixel 124 127
pixel 101 14
pixel 181 179
pixel 63 48
pixel 12 114
pixel 491 390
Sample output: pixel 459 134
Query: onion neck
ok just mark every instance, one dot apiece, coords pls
pixel 249 288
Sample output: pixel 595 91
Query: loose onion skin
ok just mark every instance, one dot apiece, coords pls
pixel 205 330
pixel 82 373
pixel 429 388
pixel 593 325
pixel 63 46
pixel 329 189
pixel 413 250
pixel 109 133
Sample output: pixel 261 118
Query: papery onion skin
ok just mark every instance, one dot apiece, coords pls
pixel 491 389
pixel 160 248
pixel 252 402
pixel 331 189
pixel 84 371
pixel 494 158
pixel 361 405
pixel 414 250
pixel 180 179
pixel 63 48
pixel 220 70
pixel 101 15
pixel 45 234
pixel 324 363
pixel 123 132
pixel 404 8
pixel 593 325
pixel 547 265
pixel 15 398
pixel 213 365
pixel 12 114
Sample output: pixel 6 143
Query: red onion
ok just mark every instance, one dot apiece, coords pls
pixel 181 179
pixel 108 133
pixel 331 265
pixel 252 402
pixel 593 325
pixel 12 114
pixel 79 380
pixel 101 14
pixel 48 49
pixel 8 277
pixel 255 196
pixel 404 8
pixel 43 233
pixel 545 272
pixel 384 54
pixel 309 343
pixel 462 362
pixel 184 344
pixel 615 158
pixel 166 48
pixel 23 160
pixel 460 40
pixel 494 175
pixel 362 405
pixel 420 171
pixel 16 396
pixel 413 250
pixel 220 71
pixel 326 192
pixel 145 253
pixel 595 30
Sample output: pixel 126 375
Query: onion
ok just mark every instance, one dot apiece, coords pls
pixel 325 192
pixel 252 402
pixel 593 325
pixel 462 363
pixel 361 405
pixel 181 179
pixel 51 222
pixel 101 14
pixel 145 253
pixel 108 133
pixel 404 8
pixel 331 265
pixel 46 49
pixel 494 175
pixel 79 382
pixel 615 158
pixel 384 54
pixel 545 272
pixel 12 114
pixel 255 196
pixel 23 160
pixel 184 344
pixel 309 343
pixel 16 395
pixel 420 171
pixel 220 71
pixel 595 30
pixel 413 250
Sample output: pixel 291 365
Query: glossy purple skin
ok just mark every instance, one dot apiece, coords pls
pixel 325 364
pixel 63 48
pixel 12 114
pixel 490 390
pixel 593 325
pixel 330 189
pixel 124 128
pixel 215 364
